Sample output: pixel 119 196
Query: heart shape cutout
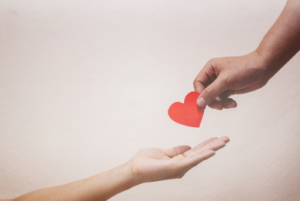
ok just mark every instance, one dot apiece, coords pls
pixel 187 113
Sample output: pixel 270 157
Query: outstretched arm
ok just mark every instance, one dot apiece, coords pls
pixel 147 165
pixel 223 77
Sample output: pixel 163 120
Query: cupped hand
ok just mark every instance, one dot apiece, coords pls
pixel 223 77
pixel 155 164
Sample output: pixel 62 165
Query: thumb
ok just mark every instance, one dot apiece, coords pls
pixel 172 152
pixel 211 92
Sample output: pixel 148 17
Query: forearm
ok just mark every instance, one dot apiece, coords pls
pixel 147 165
pixel 282 41
pixel 96 188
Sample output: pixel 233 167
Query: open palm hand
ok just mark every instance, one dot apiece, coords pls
pixel 155 164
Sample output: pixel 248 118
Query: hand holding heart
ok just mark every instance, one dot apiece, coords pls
pixel 187 113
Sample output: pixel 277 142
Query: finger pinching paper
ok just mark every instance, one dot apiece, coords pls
pixel 187 113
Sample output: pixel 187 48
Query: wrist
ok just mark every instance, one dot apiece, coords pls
pixel 128 179
pixel 262 59
pixel 263 62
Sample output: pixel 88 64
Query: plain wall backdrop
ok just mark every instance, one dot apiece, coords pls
pixel 86 84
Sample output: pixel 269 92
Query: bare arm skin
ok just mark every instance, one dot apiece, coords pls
pixel 223 77
pixel 148 165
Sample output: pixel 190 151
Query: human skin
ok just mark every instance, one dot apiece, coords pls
pixel 148 165
pixel 223 77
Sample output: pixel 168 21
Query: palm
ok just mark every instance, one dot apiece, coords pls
pixel 155 164
pixel 152 162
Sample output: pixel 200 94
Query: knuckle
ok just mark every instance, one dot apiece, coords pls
pixel 212 61
pixel 210 71
pixel 209 90
pixel 195 82
pixel 226 79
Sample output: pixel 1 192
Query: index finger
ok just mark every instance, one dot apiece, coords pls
pixel 205 77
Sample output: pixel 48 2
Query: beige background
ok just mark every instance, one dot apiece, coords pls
pixel 86 84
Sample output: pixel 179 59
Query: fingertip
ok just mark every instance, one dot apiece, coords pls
pixel 216 107
pixel 187 147
pixel 183 148
pixel 229 103
pixel 201 102
pixel 218 98
pixel 225 139
pixel 172 152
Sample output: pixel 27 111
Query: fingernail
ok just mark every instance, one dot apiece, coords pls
pixel 232 105
pixel 201 102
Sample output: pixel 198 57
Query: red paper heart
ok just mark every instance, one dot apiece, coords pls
pixel 187 113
